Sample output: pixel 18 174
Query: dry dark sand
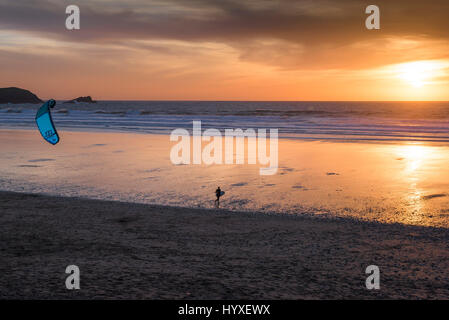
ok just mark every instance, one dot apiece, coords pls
pixel 149 252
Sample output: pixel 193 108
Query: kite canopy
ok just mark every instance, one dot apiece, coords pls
pixel 45 123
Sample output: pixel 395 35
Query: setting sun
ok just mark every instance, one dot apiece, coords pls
pixel 419 73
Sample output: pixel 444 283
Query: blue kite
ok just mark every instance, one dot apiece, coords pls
pixel 45 123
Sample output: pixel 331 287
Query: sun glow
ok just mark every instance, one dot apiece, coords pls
pixel 419 73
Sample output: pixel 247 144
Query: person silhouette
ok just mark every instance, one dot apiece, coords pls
pixel 218 193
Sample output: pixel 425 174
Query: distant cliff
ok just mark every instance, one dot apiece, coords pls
pixel 87 99
pixel 17 95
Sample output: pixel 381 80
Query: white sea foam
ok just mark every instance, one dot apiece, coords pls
pixel 346 121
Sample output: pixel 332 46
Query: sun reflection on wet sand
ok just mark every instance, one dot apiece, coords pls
pixel 417 160
pixel 414 155
pixel 405 183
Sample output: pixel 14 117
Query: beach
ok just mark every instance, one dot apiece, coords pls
pixel 137 251
pixel 111 201
pixel 390 183
pixel 228 150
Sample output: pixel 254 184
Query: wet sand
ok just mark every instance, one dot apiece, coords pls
pixel 137 251
pixel 403 183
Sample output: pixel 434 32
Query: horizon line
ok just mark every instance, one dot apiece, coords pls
pixel 242 100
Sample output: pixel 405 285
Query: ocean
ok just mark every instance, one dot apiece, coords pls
pixel 345 121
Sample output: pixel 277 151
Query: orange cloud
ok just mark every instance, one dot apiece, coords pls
pixel 219 50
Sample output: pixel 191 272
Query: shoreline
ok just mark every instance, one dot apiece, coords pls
pixel 137 251
pixel 206 210
pixel 368 141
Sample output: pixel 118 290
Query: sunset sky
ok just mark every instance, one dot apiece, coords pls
pixel 227 50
